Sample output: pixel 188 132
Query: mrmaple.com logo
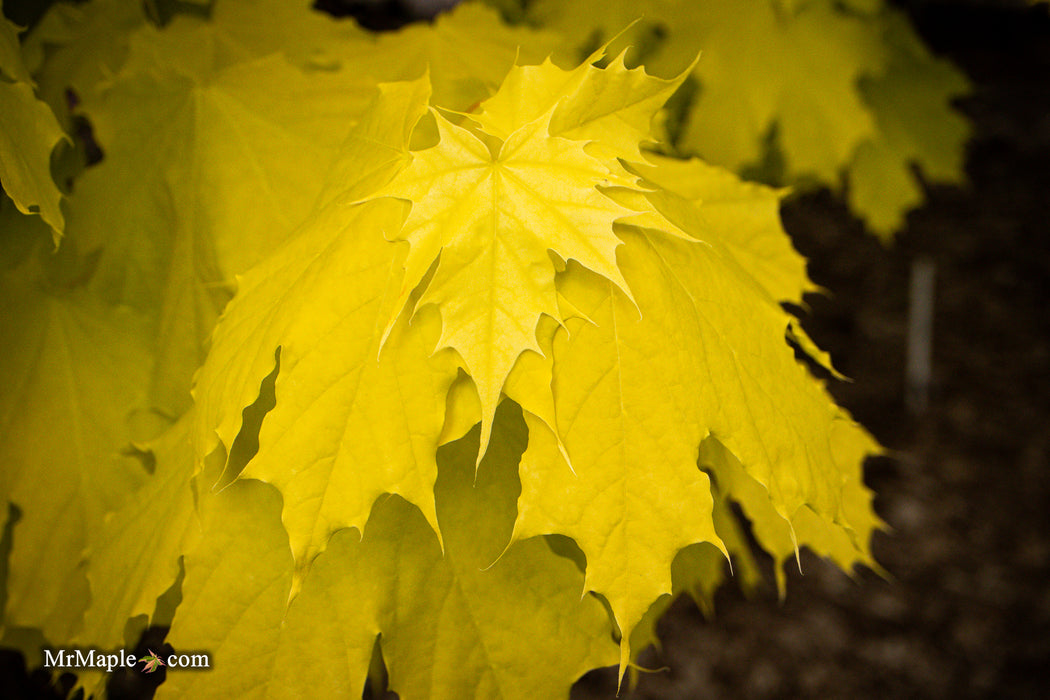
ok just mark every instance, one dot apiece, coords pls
pixel 93 658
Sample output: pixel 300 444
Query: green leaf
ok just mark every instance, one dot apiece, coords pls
pixel 152 662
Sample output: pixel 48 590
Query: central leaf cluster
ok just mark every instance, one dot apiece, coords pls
pixel 627 303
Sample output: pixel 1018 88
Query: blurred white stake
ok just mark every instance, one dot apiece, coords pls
pixel 920 335
pixel 428 8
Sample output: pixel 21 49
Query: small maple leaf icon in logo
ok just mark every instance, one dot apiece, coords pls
pixel 152 662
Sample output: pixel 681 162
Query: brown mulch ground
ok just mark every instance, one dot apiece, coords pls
pixel 967 492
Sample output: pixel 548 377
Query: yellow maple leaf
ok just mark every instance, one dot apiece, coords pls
pixel 489 217
pixel 490 203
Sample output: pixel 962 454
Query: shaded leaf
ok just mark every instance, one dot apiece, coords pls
pixel 450 625
pixel 29 133
pixel 135 558
pixel 77 369
pixel 916 126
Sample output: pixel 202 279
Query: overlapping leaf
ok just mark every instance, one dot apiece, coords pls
pixel 759 69
pixel 29 133
pixel 612 108
pixel 350 423
pixel 244 142
pixel 451 622
pixel 20 235
pixel 76 371
pixel 744 216
pixel 358 423
pixel 916 126
pixel 634 496
pixel 135 558
pixel 307 36
pixel 11 64
pixel 76 46
pixel 782 537
pixel 635 397
pixel 688 363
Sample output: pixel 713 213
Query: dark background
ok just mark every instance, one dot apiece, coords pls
pixel 966 487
